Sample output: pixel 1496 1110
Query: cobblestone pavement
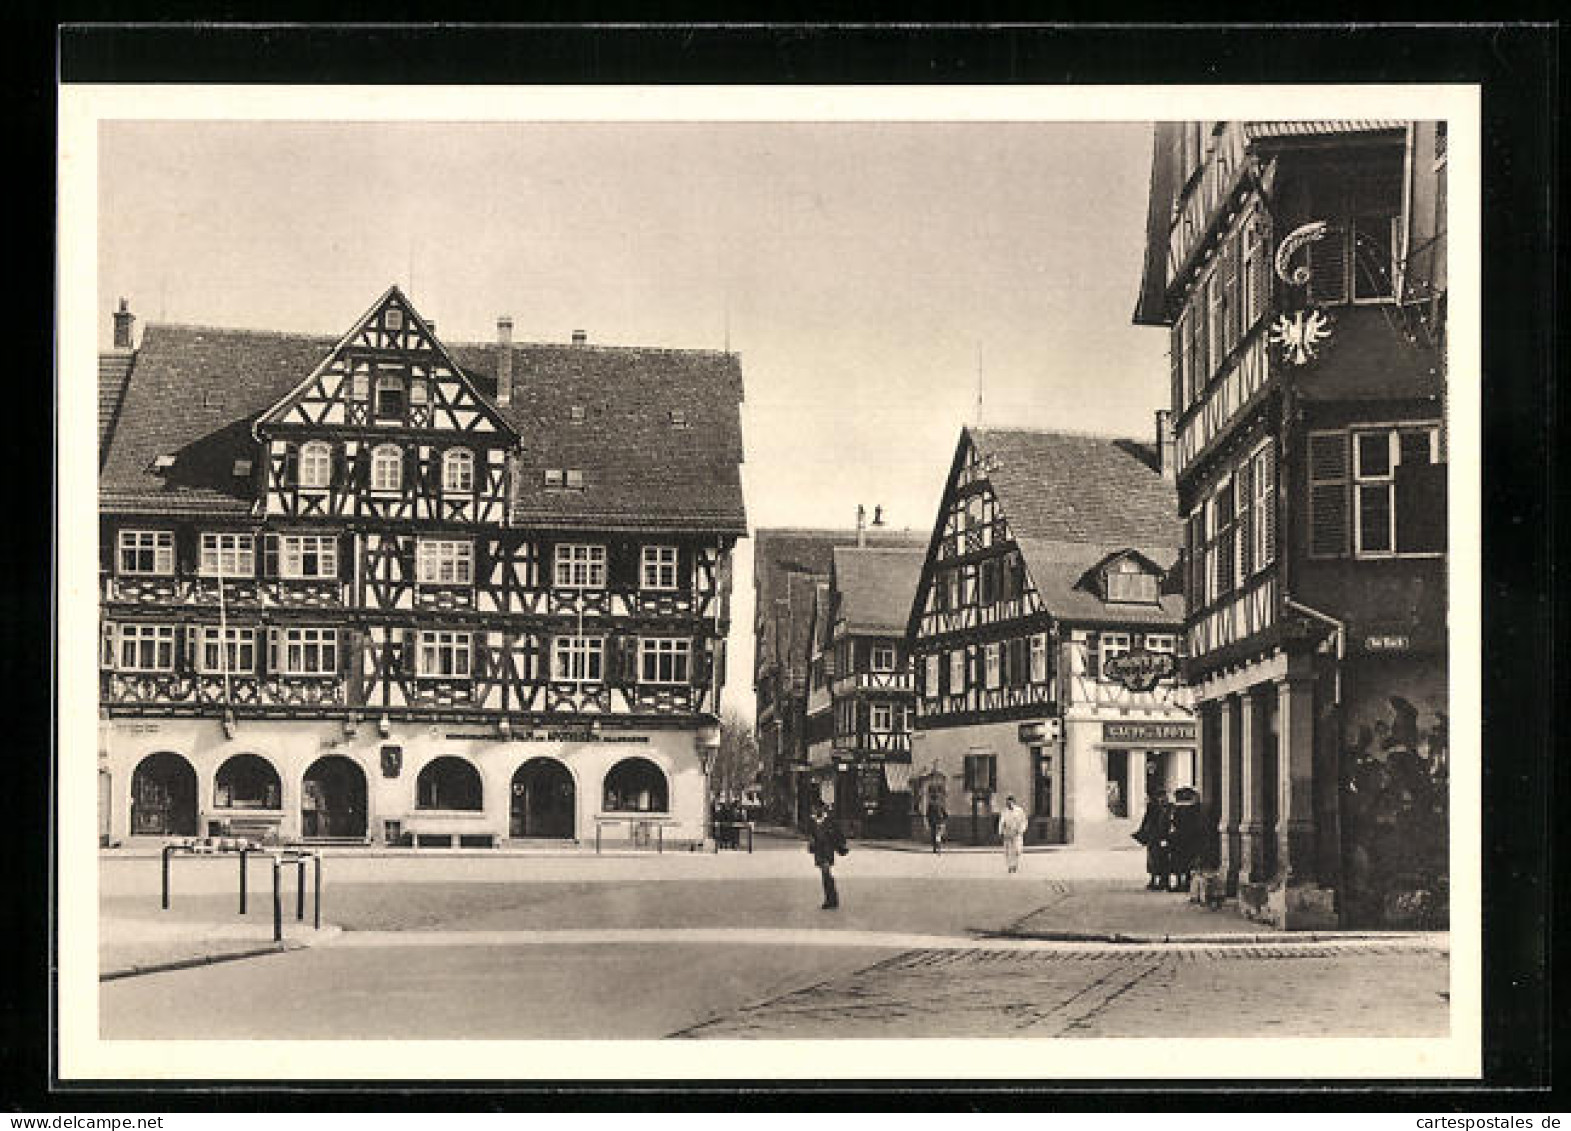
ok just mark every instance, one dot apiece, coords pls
pixel 1265 990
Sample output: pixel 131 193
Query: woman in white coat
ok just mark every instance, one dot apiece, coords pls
pixel 1012 830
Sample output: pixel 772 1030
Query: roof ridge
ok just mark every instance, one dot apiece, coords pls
pixel 211 328
pixel 1069 432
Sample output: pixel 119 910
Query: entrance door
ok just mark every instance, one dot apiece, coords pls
pixel 333 799
pixel 544 801
pixel 163 796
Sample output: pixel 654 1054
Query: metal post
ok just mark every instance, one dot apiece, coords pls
pixel 597 838
pixel 300 889
pixel 316 861
pixel 660 841
pixel 244 849
pixel 167 850
pixel 278 903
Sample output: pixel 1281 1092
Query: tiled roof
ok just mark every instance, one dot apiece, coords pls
pixel 1257 130
pixel 1071 501
pixel 194 392
pixel 875 586
pixel 113 369
pixel 659 440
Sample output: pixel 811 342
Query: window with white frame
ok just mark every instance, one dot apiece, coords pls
pixel 231 649
pixel 1129 582
pixel 1039 657
pixel 578 659
pixel 308 651
pixel 146 648
pixel 1110 645
pixel 316 465
pixel 458 471
pixel 881 718
pixel 580 566
pixel 1163 642
pixel 907 718
pixel 228 555
pixel 1396 509
pixel 664 659
pixel 304 556
pixel 445 655
pixel 147 551
pixel 387 468
pixel 991 665
pixel 883 658
pixel 419 390
pixel 360 385
pixel 658 567
pixel 445 561
pixel 393 319
pixel 957 671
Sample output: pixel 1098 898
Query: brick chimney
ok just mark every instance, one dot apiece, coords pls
pixel 579 337
pixel 504 359
pixel 1166 447
pixel 124 320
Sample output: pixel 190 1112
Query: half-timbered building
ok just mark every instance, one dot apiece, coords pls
pixel 861 706
pixel 1300 270
pixel 789 563
pixel 1044 638
pixel 382 589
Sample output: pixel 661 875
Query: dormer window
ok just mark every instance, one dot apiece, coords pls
pixel 161 464
pixel 574 479
pixel 390 396
pixel 316 465
pixel 553 477
pixel 242 469
pixel 577 414
pixel 678 418
pixel 1126 581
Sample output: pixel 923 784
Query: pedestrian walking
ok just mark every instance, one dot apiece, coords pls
pixel 826 841
pixel 1012 830
pixel 1186 835
pixel 937 816
pixel 1153 833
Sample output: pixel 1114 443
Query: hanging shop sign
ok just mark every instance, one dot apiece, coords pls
pixel 1048 730
pixel 1139 669
pixel 1148 732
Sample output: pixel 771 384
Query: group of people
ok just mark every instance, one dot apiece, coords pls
pixel 1012 825
pixel 1174 834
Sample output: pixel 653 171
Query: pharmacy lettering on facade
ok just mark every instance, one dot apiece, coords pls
pixel 1148 732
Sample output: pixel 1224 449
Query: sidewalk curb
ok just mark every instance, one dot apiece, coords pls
pixel 200 960
pixel 1438 939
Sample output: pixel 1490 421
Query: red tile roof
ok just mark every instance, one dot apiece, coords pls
pixel 194 391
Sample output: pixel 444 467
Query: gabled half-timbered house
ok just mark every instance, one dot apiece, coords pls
pixel 382 589
pixel 1043 638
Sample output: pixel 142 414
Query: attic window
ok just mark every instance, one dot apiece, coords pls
pixel 242 468
pixel 553 477
pixel 575 479
pixel 678 418
pixel 1125 582
pixel 395 319
pixel 577 413
pixel 163 463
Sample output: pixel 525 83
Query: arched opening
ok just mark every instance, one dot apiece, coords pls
pixel 333 799
pixel 544 800
pixel 247 781
pixel 163 796
pixel 448 783
pixel 636 785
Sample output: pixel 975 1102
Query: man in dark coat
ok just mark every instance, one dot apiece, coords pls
pixel 1186 835
pixel 1154 833
pixel 825 841
pixel 937 816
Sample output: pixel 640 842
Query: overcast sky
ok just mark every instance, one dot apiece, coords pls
pixel 863 272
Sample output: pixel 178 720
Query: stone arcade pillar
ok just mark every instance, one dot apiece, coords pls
pixel 1251 780
pixel 1297 901
pixel 1229 790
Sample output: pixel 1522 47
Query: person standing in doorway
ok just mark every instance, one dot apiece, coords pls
pixel 1153 833
pixel 1012 830
pixel 937 816
pixel 826 841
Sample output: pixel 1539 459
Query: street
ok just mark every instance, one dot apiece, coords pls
pixel 735 946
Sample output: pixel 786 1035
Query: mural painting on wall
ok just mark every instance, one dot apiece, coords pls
pixel 1395 814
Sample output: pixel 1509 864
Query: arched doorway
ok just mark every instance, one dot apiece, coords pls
pixel 544 800
pixel 636 785
pixel 448 783
pixel 163 796
pixel 247 781
pixel 333 799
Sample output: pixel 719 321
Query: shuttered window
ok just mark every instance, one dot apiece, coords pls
pixel 1328 508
